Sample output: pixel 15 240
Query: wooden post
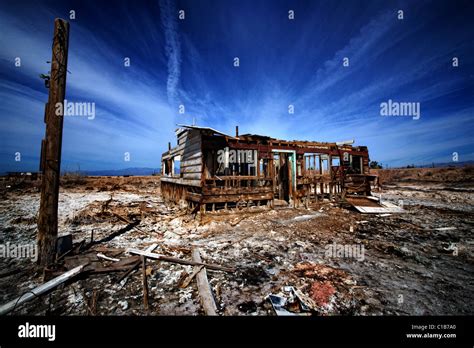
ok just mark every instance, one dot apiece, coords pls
pixel 308 196
pixel 51 159
pixel 331 186
pixel 145 284
pixel 205 292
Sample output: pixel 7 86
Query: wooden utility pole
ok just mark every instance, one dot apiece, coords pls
pixel 50 163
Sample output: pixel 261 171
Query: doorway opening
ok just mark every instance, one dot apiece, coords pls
pixel 285 175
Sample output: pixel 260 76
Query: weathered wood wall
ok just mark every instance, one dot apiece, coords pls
pixel 191 160
pixel 175 187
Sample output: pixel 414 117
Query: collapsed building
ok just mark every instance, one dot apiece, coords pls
pixel 209 170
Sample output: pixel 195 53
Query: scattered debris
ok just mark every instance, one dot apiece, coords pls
pixel 124 305
pixel 279 303
pixel 31 294
pixel 176 260
pixel 425 255
pixel 294 303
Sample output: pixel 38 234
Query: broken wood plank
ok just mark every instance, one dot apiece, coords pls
pixel 102 256
pixel 180 261
pixel 377 210
pixel 205 292
pixel 98 270
pixel 104 249
pixel 130 270
pixel 124 219
pixel 120 266
pixel 127 261
pixel 151 247
pixel 190 277
pixel 9 306
pixel 369 205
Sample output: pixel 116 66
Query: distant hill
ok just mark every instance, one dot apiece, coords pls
pixel 121 172
pixel 439 165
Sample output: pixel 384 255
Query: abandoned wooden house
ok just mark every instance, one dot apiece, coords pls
pixel 209 170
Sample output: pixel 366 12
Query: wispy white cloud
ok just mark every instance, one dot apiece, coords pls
pixel 168 15
pixel 361 50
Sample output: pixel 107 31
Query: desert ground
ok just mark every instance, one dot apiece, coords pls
pixel 419 262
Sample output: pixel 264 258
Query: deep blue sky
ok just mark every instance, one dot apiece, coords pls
pixel 282 62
